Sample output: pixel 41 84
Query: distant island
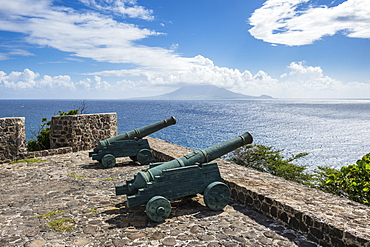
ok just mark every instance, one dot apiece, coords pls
pixel 203 92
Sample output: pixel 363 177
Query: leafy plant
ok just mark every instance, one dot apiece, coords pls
pixel 43 137
pixel 266 159
pixel 70 112
pixel 352 181
pixel 320 176
pixel 43 140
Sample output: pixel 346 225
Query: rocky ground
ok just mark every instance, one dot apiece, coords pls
pixel 76 194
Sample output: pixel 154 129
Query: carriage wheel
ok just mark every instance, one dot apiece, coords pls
pixel 217 195
pixel 158 208
pixel 144 156
pixel 108 161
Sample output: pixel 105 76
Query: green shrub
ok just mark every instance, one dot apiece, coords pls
pixel 266 159
pixel 43 137
pixel 70 112
pixel 43 140
pixel 321 175
pixel 352 181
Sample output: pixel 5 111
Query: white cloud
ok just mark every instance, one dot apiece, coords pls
pixel 301 81
pixel 311 82
pixel 300 22
pixel 60 81
pixel 86 33
pixel 19 80
pixel 14 52
pixel 27 79
pixel 174 47
pixel 200 70
pixel 93 84
pixel 98 36
pixel 123 7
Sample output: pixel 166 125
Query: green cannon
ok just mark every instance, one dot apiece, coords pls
pixel 185 176
pixel 129 144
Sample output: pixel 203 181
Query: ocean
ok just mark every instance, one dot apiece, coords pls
pixel 335 133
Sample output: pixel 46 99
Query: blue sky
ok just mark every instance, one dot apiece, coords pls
pixel 102 49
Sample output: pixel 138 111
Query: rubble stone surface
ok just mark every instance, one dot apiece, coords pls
pixel 72 186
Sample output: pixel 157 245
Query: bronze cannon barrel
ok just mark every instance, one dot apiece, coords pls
pixel 137 133
pixel 196 157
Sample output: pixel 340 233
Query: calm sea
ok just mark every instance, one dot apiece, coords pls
pixel 334 132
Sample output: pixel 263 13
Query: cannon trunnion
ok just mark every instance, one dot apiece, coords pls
pixel 185 176
pixel 129 144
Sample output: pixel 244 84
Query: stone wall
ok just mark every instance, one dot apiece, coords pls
pixel 12 138
pixel 68 133
pixel 82 132
pixel 324 218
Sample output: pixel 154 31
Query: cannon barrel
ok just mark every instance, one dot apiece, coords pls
pixel 196 157
pixel 137 133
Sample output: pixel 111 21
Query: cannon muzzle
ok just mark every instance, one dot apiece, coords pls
pixel 197 157
pixel 137 133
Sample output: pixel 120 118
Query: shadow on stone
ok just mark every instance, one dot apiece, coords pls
pixel 274 226
pixel 98 165
pixel 136 216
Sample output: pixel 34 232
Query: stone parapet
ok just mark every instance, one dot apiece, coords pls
pixel 324 218
pixel 47 152
pixel 82 132
pixel 12 138
pixel 67 133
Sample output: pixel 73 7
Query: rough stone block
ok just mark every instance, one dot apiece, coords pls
pixel 13 137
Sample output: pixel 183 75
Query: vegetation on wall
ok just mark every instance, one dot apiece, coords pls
pixel 266 159
pixel 352 182
pixel 42 141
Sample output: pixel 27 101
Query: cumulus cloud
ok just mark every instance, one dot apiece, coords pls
pixel 301 22
pixel 200 70
pixel 27 79
pixel 309 77
pixel 301 81
pixel 310 81
pixel 95 83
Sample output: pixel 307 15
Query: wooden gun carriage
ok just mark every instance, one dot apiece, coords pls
pixel 185 176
